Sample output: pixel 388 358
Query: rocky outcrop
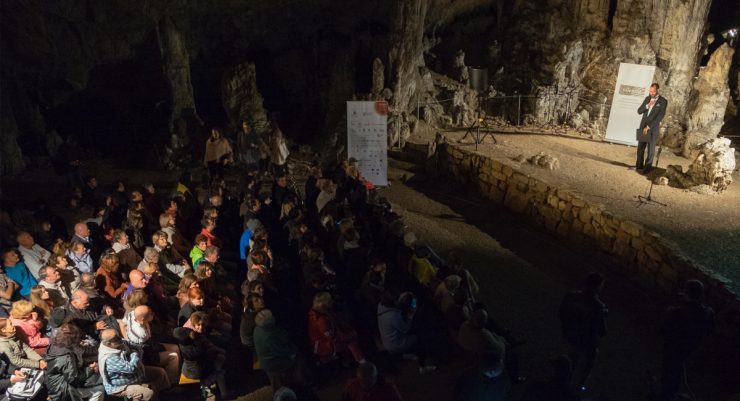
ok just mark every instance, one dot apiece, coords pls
pixel 709 100
pixel 406 51
pixel 713 167
pixel 176 65
pixel 241 98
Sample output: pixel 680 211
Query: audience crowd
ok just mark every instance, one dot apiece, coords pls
pixel 137 294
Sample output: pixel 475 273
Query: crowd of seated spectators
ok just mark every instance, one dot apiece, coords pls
pixel 148 293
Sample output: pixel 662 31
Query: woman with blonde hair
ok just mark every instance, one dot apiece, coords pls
pixel 136 298
pixel 41 301
pixel 19 353
pixel 108 280
pixel 26 320
pixel 168 224
pixel 188 281
pixel 134 224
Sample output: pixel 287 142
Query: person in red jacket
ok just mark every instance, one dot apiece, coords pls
pixel 368 386
pixel 330 337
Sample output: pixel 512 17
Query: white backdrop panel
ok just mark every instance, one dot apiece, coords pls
pixel 633 83
pixel 367 139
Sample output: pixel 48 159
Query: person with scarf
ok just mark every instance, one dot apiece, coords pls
pixel 218 154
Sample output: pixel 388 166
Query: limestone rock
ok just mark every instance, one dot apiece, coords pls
pixel 378 77
pixel 241 98
pixel 176 63
pixel 661 180
pixel 712 167
pixel 460 69
pixel 544 160
pixel 709 100
pixel 576 121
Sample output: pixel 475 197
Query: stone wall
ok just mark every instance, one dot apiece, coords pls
pixel 583 223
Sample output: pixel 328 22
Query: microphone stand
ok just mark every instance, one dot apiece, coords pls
pixel 648 199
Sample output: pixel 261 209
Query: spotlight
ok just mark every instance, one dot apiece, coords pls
pixel 730 36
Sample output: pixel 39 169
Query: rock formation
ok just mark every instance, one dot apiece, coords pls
pixel 241 98
pixel 564 52
pixel 544 160
pixel 713 167
pixel 709 100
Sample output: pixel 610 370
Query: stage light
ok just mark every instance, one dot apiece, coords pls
pixel 730 36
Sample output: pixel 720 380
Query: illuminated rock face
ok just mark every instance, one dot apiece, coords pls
pixel 712 167
pixel 310 57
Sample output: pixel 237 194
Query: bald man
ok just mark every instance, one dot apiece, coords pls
pixel 89 321
pixel 137 281
pixel 34 256
pixel 83 234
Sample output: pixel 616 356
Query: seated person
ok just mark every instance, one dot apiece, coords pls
pixel 68 375
pixel 137 331
pixel 70 276
pixel 80 256
pixel 80 312
pixel 128 257
pixel 476 339
pixel 108 280
pixel 277 354
pixel 421 268
pixel 444 295
pixel 17 271
pixel 29 326
pixel 51 280
pixel 123 372
pixel 367 385
pixel 201 358
pixel 395 321
pixel 196 254
pixel 329 336
pixel 18 353
pixel 253 304
pixel 8 288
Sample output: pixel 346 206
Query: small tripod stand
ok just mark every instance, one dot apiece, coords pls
pixel 648 199
pixel 479 121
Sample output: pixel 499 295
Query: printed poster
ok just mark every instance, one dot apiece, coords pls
pixel 367 139
pixel 633 84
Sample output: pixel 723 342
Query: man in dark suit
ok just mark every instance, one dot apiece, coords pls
pixel 652 110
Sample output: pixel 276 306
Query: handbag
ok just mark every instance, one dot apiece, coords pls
pixel 27 389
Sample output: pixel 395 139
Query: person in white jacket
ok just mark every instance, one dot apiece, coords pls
pixel 138 332
pixel 34 256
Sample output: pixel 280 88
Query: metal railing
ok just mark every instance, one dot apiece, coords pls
pixel 506 104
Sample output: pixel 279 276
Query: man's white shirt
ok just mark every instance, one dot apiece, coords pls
pixel 35 258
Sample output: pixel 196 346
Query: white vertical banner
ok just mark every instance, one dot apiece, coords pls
pixel 633 84
pixel 367 139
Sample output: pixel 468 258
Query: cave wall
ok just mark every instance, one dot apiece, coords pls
pixel 311 56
